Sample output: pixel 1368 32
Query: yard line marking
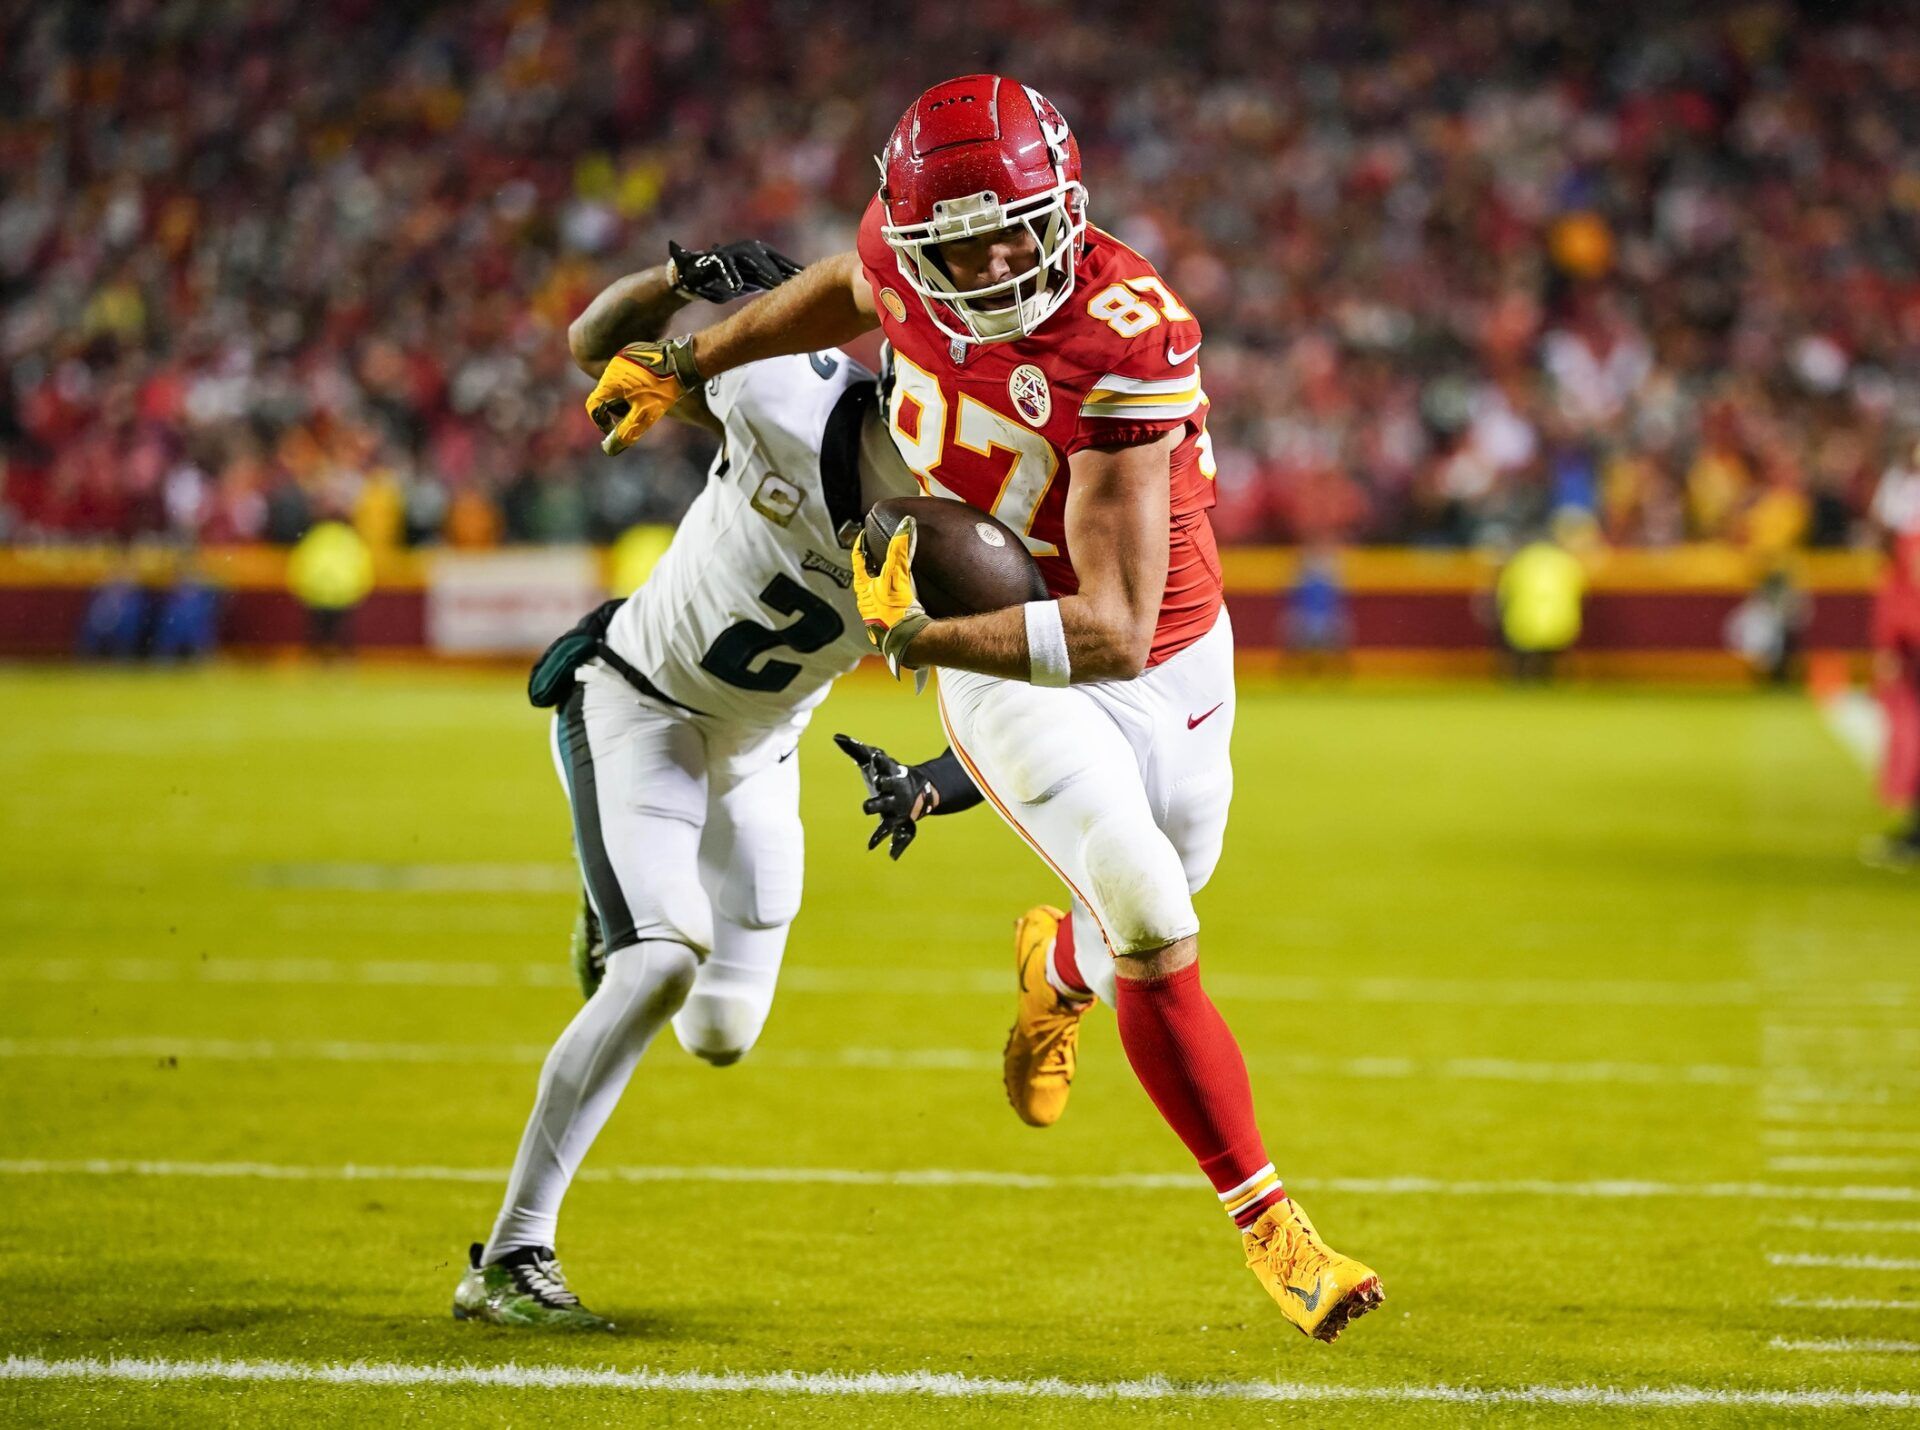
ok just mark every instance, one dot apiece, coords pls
pixel 1844 1262
pixel 891 1059
pixel 1241 986
pixel 1841 1164
pixel 1842 1303
pixel 1820 1116
pixel 1825 1098
pixel 419 878
pixel 1840 1138
pixel 1845 1345
pixel 952 1177
pixel 1814 1223
pixel 940 1384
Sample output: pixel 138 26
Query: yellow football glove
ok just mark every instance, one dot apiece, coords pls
pixel 888 602
pixel 639 385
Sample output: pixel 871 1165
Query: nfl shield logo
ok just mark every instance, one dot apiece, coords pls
pixel 1032 399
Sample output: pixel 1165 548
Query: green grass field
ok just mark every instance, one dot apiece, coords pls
pixel 1570 1011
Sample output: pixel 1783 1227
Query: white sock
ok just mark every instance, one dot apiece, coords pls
pixel 1089 955
pixel 581 1081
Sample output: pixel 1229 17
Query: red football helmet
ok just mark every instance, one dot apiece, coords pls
pixel 972 156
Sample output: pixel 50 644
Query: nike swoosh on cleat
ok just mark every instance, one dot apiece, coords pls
pixel 1193 721
pixel 1174 359
pixel 1312 1303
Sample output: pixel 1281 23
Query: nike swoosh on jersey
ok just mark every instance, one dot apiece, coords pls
pixel 1193 721
pixel 1174 359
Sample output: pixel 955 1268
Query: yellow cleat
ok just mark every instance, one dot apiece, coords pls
pixel 1043 1044
pixel 1318 1289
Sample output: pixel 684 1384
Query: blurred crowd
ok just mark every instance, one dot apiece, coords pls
pixel 1461 267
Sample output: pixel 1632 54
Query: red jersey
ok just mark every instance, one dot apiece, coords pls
pixel 1896 607
pixel 995 424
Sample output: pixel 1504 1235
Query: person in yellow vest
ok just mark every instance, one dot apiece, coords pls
pixel 330 573
pixel 1539 595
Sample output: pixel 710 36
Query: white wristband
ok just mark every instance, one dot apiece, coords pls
pixel 1046 645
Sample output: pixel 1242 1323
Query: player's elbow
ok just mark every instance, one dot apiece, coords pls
pixel 580 347
pixel 1115 649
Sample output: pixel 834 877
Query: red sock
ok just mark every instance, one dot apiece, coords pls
pixel 1185 1057
pixel 1063 973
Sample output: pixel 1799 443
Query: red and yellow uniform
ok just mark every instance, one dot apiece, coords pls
pixel 997 424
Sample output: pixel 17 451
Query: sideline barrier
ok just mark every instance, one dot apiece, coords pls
pixel 1657 613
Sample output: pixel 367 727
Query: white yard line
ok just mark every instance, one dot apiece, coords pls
pixel 1840 1137
pixel 1843 1261
pixel 1507 992
pixel 1848 1345
pixel 1842 1303
pixel 888 1059
pixel 1842 1164
pixel 944 1385
pixel 956 1177
pixel 1814 1223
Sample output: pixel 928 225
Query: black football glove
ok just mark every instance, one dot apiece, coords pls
pixel 730 271
pixel 901 795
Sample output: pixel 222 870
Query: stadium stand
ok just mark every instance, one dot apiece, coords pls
pixel 1460 266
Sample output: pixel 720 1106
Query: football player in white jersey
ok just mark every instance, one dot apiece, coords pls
pixel 679 711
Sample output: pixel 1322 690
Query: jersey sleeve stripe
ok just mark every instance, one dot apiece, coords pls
pixel 1155 406
pixel 1113 382
pixel 1142 414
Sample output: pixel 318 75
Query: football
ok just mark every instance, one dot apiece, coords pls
pixel 966 562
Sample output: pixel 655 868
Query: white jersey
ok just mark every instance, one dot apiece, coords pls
pixel 750 617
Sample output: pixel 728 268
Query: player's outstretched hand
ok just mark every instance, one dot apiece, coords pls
pixel 729 271
pixel 889 605
pixel 639 385
pixel 901 795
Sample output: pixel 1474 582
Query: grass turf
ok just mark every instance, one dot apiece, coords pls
pixel 311 918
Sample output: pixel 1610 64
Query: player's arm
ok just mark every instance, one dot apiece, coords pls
pixel 826 304
pixel 633 309
pixel 902 795
pixel 1118 521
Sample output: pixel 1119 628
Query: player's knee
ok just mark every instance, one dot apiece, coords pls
pixel 720 1028
pixel 652 978
pixel 761 886
pixel 1139 885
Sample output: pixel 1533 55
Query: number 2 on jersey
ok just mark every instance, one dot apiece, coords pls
pixel 731 656
pixel 918 416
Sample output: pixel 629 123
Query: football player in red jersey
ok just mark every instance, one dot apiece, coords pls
pixel 1043 371
pixel 1896 659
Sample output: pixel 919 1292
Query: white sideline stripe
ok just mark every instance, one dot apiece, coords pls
pixel 940 1384
pixel 890 1059
pixel 1844 1262
pixel 1251 987
pixel 954 1177
pixel 1847 1345
pixel 1814 1223
pixel 1843 1303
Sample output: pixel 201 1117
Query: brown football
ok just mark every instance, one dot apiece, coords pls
pixel 966 562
